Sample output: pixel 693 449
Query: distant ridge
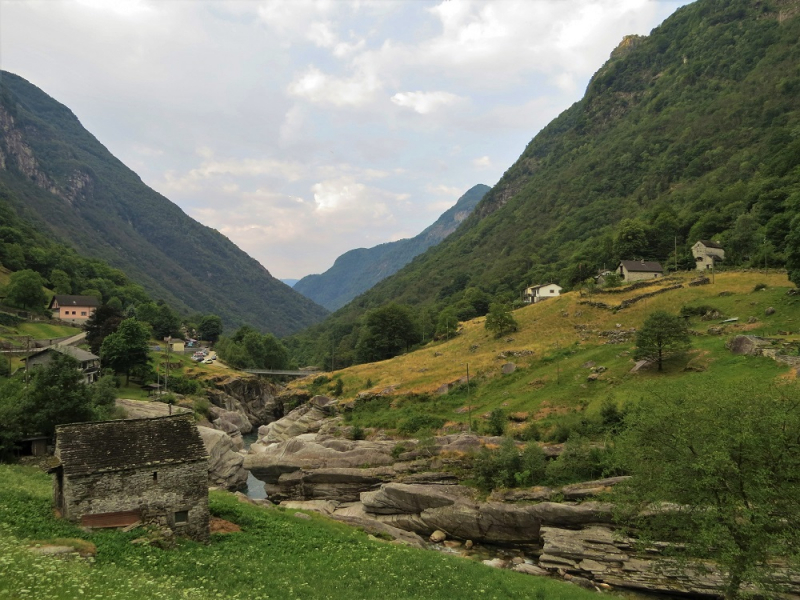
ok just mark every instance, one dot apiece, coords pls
pixel 356 271
pixel 58 177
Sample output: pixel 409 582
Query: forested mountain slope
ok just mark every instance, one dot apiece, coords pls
pixel 60 178
pixel 356 271
pixel 692 132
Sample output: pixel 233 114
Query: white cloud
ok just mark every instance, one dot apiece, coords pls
pixel 425 102
pixel 445 190
pixel 484 162
pixel 121 8
pixel 317 87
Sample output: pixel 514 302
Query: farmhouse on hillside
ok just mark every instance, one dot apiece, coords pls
pixel 636 270
pixel 537 293
pixel 88 363
pixel 707 254
pixel 73 308
pixel 117 473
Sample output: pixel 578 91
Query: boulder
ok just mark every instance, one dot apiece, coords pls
pixel 394 498
pixel 379 529
pixel 227 420
pixel 324 507
pixel 750 345
pixel 224 462
pixel 438 536
pixel 508 368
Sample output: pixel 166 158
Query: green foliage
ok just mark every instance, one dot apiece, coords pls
pixel 184 385
pixel 127 348
pixel 387 331
pixel 357 433
pixel 581 461
pixel 662 335
pixel 249 349
pixel 25 290
pixel 447 324
pixel 612 280
pixel 338 388
pixel 729 454
pixel 500 321
pixel 210 328
pixel 496 424
pixel 509 467
pixel 202 406
pixel 421 422
pixel 101 323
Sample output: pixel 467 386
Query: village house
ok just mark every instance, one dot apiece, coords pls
pixel 707 254
pixel 537 293
pixel 88 363
pixel 73 308
pixel 117 473
pixel 636 270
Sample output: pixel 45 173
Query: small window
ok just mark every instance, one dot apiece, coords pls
pixel 155 476
pixel 83 313
pixel 181 517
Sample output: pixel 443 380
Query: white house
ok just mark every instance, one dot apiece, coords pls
pixel 537 293
pixel 707 254
pixel 636 270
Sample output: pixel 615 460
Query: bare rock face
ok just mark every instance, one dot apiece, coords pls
pixel 307 418
pixel 259 401
pixel 224 462
pixel 228 420
pixel 398 498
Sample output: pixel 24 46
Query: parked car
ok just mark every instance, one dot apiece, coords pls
pixel 208 361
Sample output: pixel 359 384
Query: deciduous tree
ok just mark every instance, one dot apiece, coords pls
pixel 25 290
pixel 661 336
pixel 500 320
pixel 127 348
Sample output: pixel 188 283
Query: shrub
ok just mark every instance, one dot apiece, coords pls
pixel 759 287
pixel 398 450
pixel 508 467
pixel 417 423
pixel 530 432
pixel 338 388
pixel 184 385
pixel 580 462
pixel 357 433
pixel 611 417
pixel 202 406
pixel 496 424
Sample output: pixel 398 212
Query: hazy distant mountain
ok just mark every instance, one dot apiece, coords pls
pixel 290 282
pixel 64 181
pixel 356 271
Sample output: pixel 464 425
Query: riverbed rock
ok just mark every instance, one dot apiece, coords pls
pixel 258 399
pixel 307 418
pixel 226 420
pixel 224 462
pixel 396 498
pixel 438 536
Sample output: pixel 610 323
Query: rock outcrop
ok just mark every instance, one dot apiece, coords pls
pixel 224 462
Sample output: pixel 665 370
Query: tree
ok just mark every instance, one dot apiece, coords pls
pixel 631 240
pixel 727 460
pixel 447 323
pixel 101 323
pixel 61 282
pixel 210 328
pixel 25 289
pixel 661 336
pixel 387 331
pixel 500 320
pixel 127 348
pixel 793 252
pixel 56 395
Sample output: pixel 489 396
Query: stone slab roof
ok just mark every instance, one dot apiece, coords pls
pixel 84 448
pixel 710 244
pixel 639 266
pixel 77 353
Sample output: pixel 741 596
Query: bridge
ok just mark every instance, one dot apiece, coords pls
pixel 287 373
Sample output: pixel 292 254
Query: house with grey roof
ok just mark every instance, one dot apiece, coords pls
pixel 119 473
pixel 88 363
pixel 707 254
pixel 75 309
pixel 537 293
pixel 636 270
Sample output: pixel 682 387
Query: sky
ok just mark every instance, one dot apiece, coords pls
pixel 303 129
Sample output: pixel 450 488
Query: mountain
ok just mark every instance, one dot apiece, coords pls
pixel 290 282
pixel 356 271
pixel 692 132
pixel 63 180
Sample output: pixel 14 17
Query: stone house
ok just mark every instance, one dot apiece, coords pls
pixel 77 309
pixel 707 254
pixel 636 270
pixel 117 473
pixel 537 293
pixel 88 363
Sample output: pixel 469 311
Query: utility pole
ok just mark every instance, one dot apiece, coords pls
pixel 469 405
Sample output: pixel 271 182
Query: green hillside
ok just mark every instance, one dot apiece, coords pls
pixel 58 177
pixel 356 271
pixel 692 132
pixel 564 341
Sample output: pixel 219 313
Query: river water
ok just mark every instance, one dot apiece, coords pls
pixel 255 487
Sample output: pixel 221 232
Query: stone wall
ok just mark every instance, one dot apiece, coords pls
pixel 158 492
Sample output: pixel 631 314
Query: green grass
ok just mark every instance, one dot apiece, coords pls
pixel 45 331
pixel 276 555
